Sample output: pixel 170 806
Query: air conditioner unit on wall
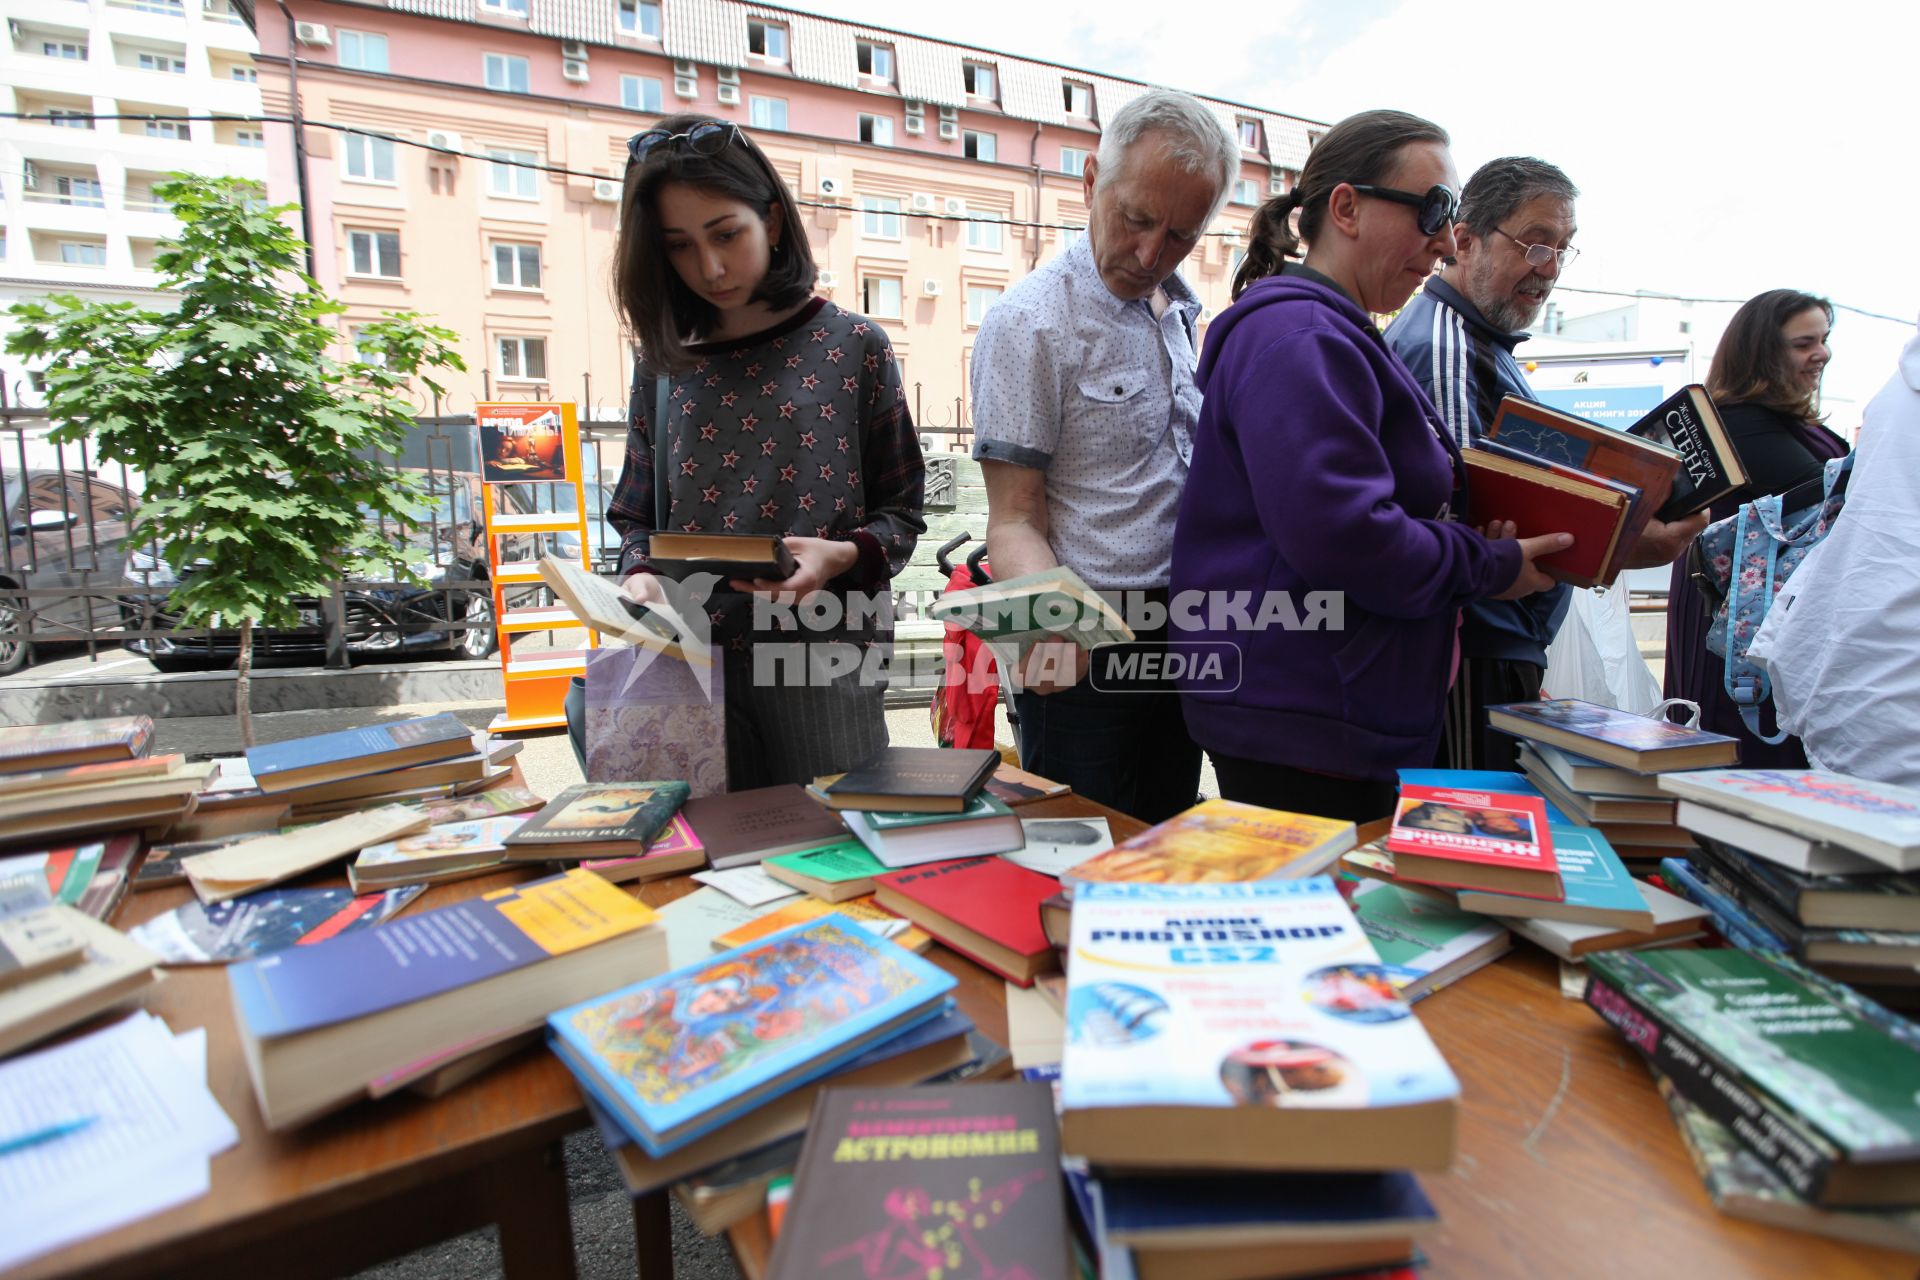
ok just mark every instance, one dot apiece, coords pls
pixel 607 189
pixel 916 125
pixel 949 130
pixel 826 280
pixel 930 287
pixel 922 202
pixel 573 70
pixel 684 87
pixel 446 139
pixel 313 33
pixel 574 49
pixel 829 186
pixel 685 68
pixel 949 113
pixel 727 75
pixel 954 207
pixel 728 94
pixel 915 107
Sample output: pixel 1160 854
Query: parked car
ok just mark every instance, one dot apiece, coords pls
pixel 448 546
pixel 65 529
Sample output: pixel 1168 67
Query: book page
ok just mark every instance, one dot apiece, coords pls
pixel 238 868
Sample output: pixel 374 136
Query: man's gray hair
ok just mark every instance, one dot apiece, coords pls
pixel 1196 139
pixel 1498 188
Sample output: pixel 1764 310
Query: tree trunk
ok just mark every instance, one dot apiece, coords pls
pixel 243 683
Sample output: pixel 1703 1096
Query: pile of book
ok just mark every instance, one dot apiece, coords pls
pixel 1487 844
pixel 1243 1090
pixel 1602 768
pixel 1554 472
pixel 1818 866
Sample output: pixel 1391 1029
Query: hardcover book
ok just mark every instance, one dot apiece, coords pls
pixel 1588 809
pixel 1876 819
pixel 450 846
pixel 1598 888
pixel 915 780
pixel 1883 901
pixel 987 909
pixel 831 872
pixel 948 1180
pixel 259 923
pixel 348 753
pixel 1782 848
pixel 318 1024
pixel 598 820
pixel 1424 944
pixel 1273 1209
pixel 37 747
pixel 674 850
pixel 910 839
pixel 730 555
pixel 1675 920
pixel 1734 903
pixel 1588 777
pixel 1689 424
pixel 862 911
pixel 1220 841
pixel 1539 500
pixel 678 1055
pixel 1614 737
pixel 1475 840
pixel 1820 1094
pixel 1501 780
pixel 1249 1026
pixel 744 827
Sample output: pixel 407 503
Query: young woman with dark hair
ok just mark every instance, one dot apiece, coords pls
pixel 785 415
pixel 1765 379
pixel 1320 466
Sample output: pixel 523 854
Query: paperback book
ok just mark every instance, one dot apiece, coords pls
pixel 910 839
pixel 302 762
pixel 1598 888
pixel 1021 612
pixel 452 846
pixel 34 747
pixel 674 850
pixel 1876 819
pixel 861 911
pixel 831 872
pixel 1885 900
pixel 196 933
pixel 1220 841
pixel 1425 944
pixel 1614 737
pixel 1467 839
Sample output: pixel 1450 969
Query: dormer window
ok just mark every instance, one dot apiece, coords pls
pixel 875 60
pixel 1079 98
pixel 1249 131
pixel 767 40
pixel 978 77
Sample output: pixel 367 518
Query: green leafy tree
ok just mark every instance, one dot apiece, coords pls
pixel 263 455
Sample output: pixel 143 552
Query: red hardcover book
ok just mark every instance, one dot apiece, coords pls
pixel 1542 500
pixel 987 909
pixel 1467 839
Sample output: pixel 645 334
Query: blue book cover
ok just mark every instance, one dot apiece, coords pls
pixel 411 958
pixel 1598 888
pixel 263 922
pixel 1735 923
pixel 1513 784
pixel 682 1053
pixel 368 740
pixel 1141 1210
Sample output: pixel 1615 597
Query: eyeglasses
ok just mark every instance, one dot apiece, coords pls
pixel 1539 255
pixel 709 138
pixel 1438 207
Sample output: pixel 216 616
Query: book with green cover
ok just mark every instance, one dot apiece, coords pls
pixel 832 872
pixel 1598 888
pixel 1824 1096
pixel 1425 943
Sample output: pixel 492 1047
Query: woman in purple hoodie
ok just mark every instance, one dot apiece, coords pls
pixel 1324 483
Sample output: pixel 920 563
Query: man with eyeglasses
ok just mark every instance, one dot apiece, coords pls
pixel 1458 336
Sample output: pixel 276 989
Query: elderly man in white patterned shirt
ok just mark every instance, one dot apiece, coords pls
pixel 1083 407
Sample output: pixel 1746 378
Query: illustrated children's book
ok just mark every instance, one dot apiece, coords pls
pixel 958 1179
pixel 1243 1026
pixel 681 1054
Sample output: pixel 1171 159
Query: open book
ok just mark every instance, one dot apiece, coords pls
pixel 1054 603
pixel 600 605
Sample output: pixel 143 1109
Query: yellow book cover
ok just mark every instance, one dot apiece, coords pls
pixel 862 910
pixel 566 912
pixel 1221 841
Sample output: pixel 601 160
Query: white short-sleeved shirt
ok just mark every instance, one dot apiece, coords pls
pixel 1099 394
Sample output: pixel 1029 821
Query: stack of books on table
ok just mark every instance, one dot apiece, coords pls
pixel 59 781
pixel 1497 854
pixel 624 823
pixel 1246 1091
pixel 58 965
pixel 1795 1094
pixel 1602 767
pixel 911 805
pixel 1819 866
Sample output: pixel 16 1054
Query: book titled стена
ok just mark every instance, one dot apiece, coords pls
pixel 1689 423
pixel 1467 839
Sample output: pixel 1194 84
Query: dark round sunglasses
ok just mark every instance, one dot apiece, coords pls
pixel 1438 207
pixel 708 138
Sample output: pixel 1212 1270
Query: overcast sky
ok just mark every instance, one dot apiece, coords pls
pixel 1722 148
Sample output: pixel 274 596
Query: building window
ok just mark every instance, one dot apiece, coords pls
pixel 369 159
pixel 640 93
pixel 516 266
pixel 516 8
pixel 1070 236
pixel 1246 191
pixel 877 130
pixel 640 18
pixel 1073 161
pixel 161 62
pixel 880 297
pixel 256 138
pixel 170 8
pixel 69 118
pixel 71 49
pixel 523 359
pixel 83 253
pixel 1079 98
pixel 374 253
pixel 880 217
pixel 245 75
pixel 175 129
pixel 979 80
pixel 506 73
pixel 980 300
pixel 767 39
pixel 767 113
pixel 80 191
pixel 983 232
pixel 978 146
pixel 876 60
pixel 363 51
pixel 368 349
pixel 513 180
pixel 1249 132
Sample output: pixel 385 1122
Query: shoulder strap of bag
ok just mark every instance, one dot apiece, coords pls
pixel 659 425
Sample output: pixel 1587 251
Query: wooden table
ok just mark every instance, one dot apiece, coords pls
pixel 1568 1164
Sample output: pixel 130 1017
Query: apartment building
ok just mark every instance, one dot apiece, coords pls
pixel 933 175
pixel 77 207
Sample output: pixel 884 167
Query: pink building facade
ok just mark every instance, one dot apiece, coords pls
pixel 933 176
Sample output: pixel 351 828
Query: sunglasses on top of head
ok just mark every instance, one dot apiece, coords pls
pixel 708 138
pixel 1437 207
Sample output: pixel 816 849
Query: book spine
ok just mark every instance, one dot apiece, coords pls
pixel 1732 867
pixel 1733 921
pixel 1771 1132
pixel 1753 901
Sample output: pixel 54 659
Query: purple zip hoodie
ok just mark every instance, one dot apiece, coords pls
pixel 1319 464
